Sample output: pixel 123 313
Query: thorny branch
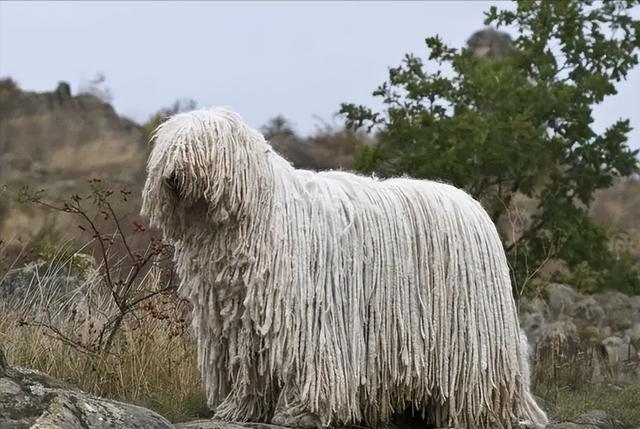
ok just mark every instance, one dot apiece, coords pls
pixel 123 278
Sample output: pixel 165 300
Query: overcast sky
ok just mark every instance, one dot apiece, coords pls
pixel 298 59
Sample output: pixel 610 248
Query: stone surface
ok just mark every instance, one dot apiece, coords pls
pixel 562 299
pixel 634 336
pixel 535 316
pixel 618 350
pixel 618 309
pixel 635 308
pixel 47 280
pixel 587 311
pixel 489 43
pixel 30 399
pixel 603 330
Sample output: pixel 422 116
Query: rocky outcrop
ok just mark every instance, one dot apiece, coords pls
pixel 576 337
pixel 617 309
pixel 57 141
pixel 58 134
pixel 30 399
pixel 490 44
pixel 53 294
pixel 52 280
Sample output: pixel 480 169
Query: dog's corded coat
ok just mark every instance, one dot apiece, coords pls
pixel 332 294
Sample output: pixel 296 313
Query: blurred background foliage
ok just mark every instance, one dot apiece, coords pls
pixel 511 121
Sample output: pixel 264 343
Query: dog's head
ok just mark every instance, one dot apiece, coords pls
pixel 204 167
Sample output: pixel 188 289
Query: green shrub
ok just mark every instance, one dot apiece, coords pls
pixel 519 123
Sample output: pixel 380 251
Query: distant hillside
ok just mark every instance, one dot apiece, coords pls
pixel 55 136
pixel 58 141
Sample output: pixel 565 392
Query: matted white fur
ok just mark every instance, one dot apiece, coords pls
pixel 332 295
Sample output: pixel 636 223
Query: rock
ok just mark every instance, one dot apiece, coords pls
pixel 65 133
pixel 593 334
pixel 335 151
pixel 534 318
pixel 617 308
pixel 489 43
pixel 63 91
pixel 533 325
pixel 39 281
pixel 587 311
pixel 635 308
pixel 596 317
pixel 562 299
pixel 618 350
pixel 30 399
pixel 634 336
pixel 199 424
pixel 50 293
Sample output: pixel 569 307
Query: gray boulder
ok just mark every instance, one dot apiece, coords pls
pixel 588 311
pixel 30 399
pixel 595 317
pixel 36 281
pixel 535 316
pixel 618 350
pixel 562 299
pixel 490 44
pixel 634 336
pixel 635 308
pixel 618 309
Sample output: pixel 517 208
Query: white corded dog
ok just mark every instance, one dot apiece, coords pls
pixel 330 298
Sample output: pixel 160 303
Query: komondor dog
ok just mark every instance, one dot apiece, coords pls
pixel 332 298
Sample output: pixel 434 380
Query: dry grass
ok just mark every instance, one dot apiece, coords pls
pixel 152 361
pixel 146 366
